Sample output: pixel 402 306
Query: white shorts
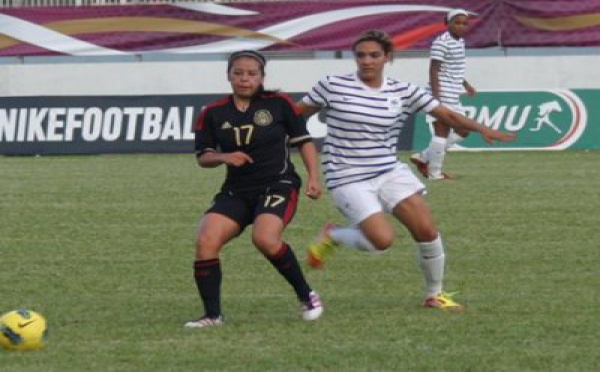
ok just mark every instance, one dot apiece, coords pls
pixel 359 200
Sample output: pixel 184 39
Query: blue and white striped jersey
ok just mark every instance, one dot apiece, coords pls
pixel 451 52
pixel 363 124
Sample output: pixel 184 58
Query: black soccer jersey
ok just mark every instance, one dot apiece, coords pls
pixel 264 131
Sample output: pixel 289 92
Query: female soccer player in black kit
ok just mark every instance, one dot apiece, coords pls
pixel 250 132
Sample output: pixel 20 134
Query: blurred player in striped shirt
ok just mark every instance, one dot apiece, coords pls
pixel 447 82
pixel 365 112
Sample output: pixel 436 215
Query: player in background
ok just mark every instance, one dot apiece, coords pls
pixel 447 82
pixel 365 112
pixel 250 133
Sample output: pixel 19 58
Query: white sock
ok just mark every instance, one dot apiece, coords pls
pixel 431 261
pixel 453 139
pixel 425 153
pixel 352 237
pixel 435 155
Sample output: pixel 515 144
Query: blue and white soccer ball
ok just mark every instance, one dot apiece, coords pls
pixel 23 330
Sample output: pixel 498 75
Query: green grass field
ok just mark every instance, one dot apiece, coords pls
pixel 103 247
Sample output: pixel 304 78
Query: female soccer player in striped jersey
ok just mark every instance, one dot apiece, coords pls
pixel 365 112
pixel 447 81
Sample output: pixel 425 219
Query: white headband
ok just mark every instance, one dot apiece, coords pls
pixel 456 12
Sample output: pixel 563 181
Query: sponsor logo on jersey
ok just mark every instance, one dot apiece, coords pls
pixel 226 125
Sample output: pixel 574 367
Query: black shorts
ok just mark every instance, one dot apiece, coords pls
pixel 243 208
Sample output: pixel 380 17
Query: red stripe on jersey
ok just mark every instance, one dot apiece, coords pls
pixel 295 108
pixel 200 120
pixel 291 207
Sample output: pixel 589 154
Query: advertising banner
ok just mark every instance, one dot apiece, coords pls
pixel 208 27
pixel 114 124
pixel 531 23
pixel 91 125
pixel 542 120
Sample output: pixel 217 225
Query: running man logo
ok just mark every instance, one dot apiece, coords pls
pixel 544 120
pixel 545 109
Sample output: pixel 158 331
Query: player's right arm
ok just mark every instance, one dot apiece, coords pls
pixel 438 54
pixel 434 77
pixel 211 159
pixel 316 99
pixel 206 144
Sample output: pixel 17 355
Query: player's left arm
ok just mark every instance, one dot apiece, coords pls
pixel 423 101
pixel 310 158
pixel 461 122
pixel 300 137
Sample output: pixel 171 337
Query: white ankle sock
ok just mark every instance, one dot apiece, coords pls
pixel 435 155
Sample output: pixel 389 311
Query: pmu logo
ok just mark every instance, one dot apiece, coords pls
pixel 547 120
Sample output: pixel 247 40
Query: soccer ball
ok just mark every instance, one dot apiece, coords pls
pixel 23 330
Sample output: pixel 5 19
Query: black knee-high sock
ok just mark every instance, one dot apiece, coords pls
pixel 286 263
pixel 208 280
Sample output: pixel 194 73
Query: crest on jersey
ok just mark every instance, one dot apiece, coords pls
pixel 263 118
pixel 394 104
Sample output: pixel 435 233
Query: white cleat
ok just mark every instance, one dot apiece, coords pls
pixel 204 322
pixel 313 308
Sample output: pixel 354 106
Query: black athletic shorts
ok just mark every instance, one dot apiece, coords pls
pixel 243 207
